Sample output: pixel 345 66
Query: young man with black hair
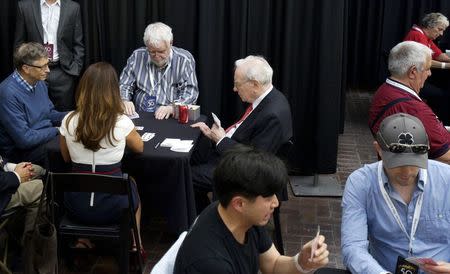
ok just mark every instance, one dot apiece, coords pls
pixel 229 236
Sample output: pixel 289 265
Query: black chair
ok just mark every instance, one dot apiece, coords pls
pixel 68 229
pixel 283 154
pixel 327 270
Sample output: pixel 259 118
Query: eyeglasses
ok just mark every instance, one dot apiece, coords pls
pixel 400 148
pixel 39 67
pixel 238 84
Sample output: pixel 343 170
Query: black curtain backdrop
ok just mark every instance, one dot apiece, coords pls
pixel 304 41
pixel 374 27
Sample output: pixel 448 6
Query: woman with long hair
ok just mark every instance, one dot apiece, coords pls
pixel 93 138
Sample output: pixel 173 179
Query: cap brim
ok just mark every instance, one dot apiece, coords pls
pixel 391 160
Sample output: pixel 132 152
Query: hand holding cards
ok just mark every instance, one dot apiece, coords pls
pixel 216 119
pixel 315 243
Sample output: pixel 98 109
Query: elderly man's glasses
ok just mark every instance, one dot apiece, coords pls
pixel 39 67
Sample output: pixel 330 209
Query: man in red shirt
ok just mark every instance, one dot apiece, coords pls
pixel 409 64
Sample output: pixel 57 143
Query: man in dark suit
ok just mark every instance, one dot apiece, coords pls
pixel 57 25
pixel 19 187
pixel 266 124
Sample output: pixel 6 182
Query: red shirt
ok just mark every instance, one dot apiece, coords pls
pixel 416 34
pixel 438 136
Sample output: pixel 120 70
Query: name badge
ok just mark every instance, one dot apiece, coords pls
pixel 405 267
pixel 49 49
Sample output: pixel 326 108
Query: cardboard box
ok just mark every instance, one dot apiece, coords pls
pixel 194 111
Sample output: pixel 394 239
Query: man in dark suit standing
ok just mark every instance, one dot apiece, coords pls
pixel 266 123
pixel 57 25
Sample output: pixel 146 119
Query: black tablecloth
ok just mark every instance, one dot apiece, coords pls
pixel 163 176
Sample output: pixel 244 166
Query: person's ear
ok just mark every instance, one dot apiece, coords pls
pixel 377 148
pixel 412 72
pixel 237 202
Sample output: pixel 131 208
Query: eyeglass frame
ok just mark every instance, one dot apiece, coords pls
pixel 39 67
pixel 393 147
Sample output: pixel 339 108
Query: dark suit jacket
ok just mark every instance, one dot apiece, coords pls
pixel 8 186
pixel 69 34
pixel 267 127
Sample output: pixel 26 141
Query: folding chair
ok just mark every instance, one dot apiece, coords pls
pixel 283 154
pixel 68 228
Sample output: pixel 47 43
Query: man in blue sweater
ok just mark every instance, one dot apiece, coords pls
pixel 28 119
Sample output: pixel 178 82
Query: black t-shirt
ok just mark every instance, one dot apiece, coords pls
pixel 210 248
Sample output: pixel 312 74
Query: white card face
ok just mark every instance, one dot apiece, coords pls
pixel 134 115
pixel 216 119
pixel 147 136
pixel 315 242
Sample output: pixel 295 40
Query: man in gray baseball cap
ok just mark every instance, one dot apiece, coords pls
pixel 397 208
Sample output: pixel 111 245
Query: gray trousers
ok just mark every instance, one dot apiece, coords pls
pixel 61 88
pixel 28 196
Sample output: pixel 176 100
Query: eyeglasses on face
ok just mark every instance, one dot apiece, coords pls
pixel 39 67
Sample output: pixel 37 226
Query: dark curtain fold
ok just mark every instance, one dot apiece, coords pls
pixel 304 41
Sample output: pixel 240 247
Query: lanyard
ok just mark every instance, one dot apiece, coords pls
pixel 394 212
pixel 153 79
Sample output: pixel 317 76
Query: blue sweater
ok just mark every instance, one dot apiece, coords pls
pixel 27 118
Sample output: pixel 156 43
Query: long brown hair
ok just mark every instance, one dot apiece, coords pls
pixel 98 105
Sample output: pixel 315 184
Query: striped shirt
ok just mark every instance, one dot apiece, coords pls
pixel 176 82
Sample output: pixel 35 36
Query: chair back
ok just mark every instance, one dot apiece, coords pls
pixel 86 183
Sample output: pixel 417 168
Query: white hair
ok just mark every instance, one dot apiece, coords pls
pixel 256 68
pixel 405 55
pixel 156 33
pixel 434 19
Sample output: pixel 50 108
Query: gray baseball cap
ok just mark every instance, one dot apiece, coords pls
pixel 403 141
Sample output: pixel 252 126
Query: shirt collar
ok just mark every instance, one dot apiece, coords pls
pixel 23 82
pixel 58 2
pixel 402 87
pixel 261 97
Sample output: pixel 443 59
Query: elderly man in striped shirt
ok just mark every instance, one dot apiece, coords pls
pixel 158 75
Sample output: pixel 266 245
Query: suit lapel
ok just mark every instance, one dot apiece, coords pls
pixel 249 121
pixel 37 15
pixel 62 16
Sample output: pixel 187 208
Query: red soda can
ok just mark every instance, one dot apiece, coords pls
pixel 183 114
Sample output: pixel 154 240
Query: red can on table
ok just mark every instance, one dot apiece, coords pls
pixel 183 114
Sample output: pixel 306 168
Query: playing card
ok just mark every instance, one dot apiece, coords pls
pixel 216 119
pixel 315 242
pixel 421 261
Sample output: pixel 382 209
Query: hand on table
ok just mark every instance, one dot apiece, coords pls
pixel 164 112
pixel 128 107
pixel 215 133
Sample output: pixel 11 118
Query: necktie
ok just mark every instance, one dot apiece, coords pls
pixel 246 113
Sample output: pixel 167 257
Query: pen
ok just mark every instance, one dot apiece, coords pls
pixel 157 145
